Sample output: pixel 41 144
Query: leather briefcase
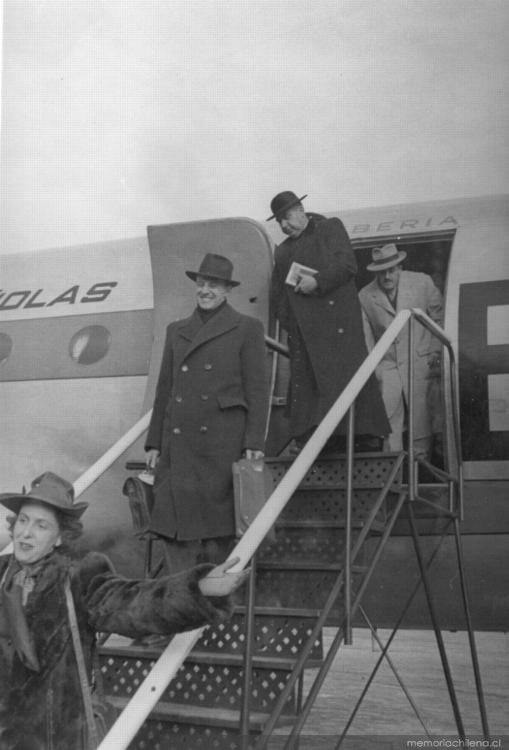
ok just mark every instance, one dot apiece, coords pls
pixel 252 485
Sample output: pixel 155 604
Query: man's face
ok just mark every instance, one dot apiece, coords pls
pixel 294 221
pixel 388 279
pixel 210 293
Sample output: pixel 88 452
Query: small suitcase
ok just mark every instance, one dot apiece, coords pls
pixel 252 485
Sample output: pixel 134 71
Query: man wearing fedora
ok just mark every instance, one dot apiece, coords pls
pixel 320 310
pixel 210 408
pixel 392 290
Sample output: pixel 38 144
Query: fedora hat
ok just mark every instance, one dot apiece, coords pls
pixel 215 267
pixel 385 257
pixel 282 202
pixel 49 489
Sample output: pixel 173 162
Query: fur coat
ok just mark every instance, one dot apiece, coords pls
pixel 43 710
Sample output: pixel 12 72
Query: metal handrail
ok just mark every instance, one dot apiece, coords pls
pixel 151 689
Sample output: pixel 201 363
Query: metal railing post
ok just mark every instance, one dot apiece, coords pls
pixel 410 432
pixel 248 658
pixel 348 525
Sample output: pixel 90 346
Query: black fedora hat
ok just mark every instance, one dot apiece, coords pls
pixel 50 489
pixel 282 202
pixel 215 267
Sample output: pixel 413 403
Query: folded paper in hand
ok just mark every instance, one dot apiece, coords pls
pixel 297 270
pixel 252 485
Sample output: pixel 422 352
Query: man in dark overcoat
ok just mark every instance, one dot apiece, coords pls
pixel 319 308
pixel 210 408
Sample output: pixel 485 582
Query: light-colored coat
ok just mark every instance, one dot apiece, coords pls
pixel 414 290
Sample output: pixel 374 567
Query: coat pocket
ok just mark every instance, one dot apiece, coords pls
pixel 230 402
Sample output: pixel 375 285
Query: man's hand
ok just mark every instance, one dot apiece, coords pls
pixel 152 458
pixel 254 455
pixel 306 285
pixel 221 583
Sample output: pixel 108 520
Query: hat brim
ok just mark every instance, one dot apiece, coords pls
pixel 14 501
pixel 389 264
pixel 194 275
pixel 286 208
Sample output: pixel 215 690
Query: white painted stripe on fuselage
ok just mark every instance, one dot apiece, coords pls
pixel 83 280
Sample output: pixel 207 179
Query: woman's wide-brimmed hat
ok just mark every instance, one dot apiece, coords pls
pixel 215 267
pixel 282 202
pixel 386 257
pixel 50 489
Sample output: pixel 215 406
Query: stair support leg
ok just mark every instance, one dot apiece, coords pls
pixel 338 638
pixel 389 641
pixel 471 637
pixel 436 627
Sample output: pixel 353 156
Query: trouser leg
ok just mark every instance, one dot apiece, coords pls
pixel 184 554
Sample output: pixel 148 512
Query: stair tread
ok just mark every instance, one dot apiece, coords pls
pixel 301 564
pixel 200 656
pixel 267 611
pixel 212 715
pixel 389 455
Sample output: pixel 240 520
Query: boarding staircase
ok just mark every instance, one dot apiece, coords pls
pixel 243 683
pixel 292 580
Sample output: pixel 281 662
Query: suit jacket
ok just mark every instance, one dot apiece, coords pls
pixel 414 290
pixel 211 403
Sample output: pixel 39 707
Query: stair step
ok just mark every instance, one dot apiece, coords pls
pixel 200 656
pixel 300 564
pixel 323 524
pixel 219 717
pixel 260 662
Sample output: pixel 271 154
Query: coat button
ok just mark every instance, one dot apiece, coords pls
pixel 340 330
pixel 178 399
pixel 203 428
pixel 331 302
pixel 176 430
pixel 184 368
pixel 204 397
pixel 208 366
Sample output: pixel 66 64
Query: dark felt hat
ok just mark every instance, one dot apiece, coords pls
pixel 282 202
pixel 215 267
pixel 49 489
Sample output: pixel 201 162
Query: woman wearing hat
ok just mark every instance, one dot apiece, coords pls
pixel 210 407
pixel 41 699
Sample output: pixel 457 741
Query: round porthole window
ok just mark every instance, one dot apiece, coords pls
pixel 5 347
pixel 90 344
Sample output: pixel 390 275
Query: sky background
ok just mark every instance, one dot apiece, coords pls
pixel 117 114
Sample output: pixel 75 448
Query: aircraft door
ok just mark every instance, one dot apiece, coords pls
pixel 175 248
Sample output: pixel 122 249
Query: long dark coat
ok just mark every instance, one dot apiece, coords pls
pixel 326 338
pixel 211 403
pixel 43 710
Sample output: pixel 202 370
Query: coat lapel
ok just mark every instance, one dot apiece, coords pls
pixel 193 333
pixel 380 299
pixel 405 293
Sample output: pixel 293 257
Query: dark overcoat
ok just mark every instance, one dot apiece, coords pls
pixel 211 403
pixel 326 337
pixel 43 710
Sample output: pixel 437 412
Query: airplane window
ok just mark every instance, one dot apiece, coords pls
pixel 90 344
pixel 5 347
